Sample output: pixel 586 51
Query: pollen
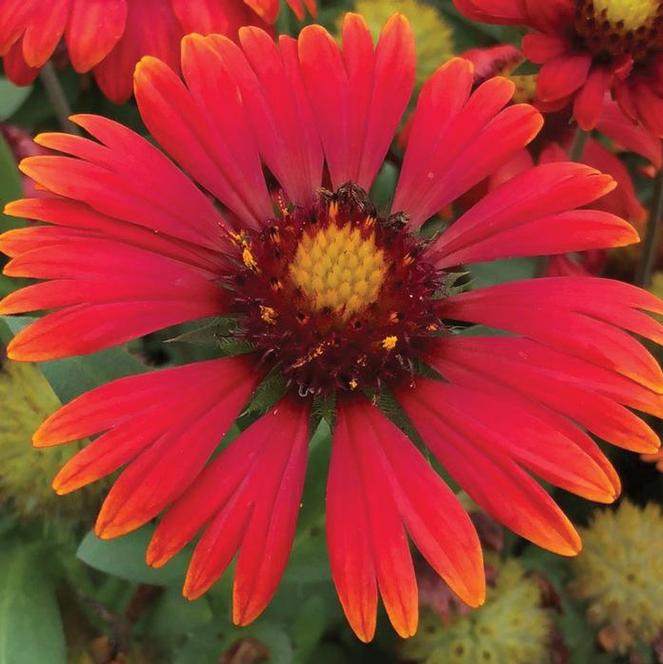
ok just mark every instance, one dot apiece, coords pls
pixel 389 343
pixel 619 28
pixel 633 14
pixel 339 268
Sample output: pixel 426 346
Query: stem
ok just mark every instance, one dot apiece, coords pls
pixel 578 145
pixel 57 98
pixel 652 235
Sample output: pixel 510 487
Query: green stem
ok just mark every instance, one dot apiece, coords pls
pixel 652 239
pixel 57 98
pixel 578 145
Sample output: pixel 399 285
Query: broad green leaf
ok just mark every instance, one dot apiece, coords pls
pixel 75 375
pixel 30 624
pixel 125 557
pixel 11 97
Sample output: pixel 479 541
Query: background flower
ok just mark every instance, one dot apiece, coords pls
pixel 109 37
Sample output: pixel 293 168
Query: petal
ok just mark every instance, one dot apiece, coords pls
pixel 562 76
pixel 76 330
pixel 14 17
pixel 94 28
pixel 75 219
pixel 532 214
pixel 650 108
pixel 434 517
pixel 153 193
pixel 540 48
pixel 441 100
pixel 114 73
pixel 530 435
pixel 44 31
pixel 393 82
pixel 629 135
pixel 359 498
pixel 15 67
pixel 497 484
pixel 249 495
pixel 117 402
pixel 443 160
pixel 223 17
pixel 588 103
pixel 586 320
pixel 506 12
pixel 162 472
pixel 280 113
pixel 578 390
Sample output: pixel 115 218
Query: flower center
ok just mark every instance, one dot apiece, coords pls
pixel 336 297
pixel 632 14
pixel 339 267
pixel 618 28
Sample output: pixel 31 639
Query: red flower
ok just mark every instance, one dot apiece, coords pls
pixel 337 299
pixel 109 37
pixel 587 47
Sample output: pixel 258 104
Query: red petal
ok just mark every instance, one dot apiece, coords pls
pixel 588 103
pixel 77 330
pixel 562 76
pixel 94 28
pixel 466 450
pixel 165 469
pixel 435 519
pixel 529 435
pixel 281 114
pixel 529 215
pixel 507 12
pixel 114 73
pixel 583 327
pixel 540 48
pixel 43 32
pixel 251 493
pixel 361 499
pixel 629 135
pixel 393 81
pixel 14 17
pixel 465 149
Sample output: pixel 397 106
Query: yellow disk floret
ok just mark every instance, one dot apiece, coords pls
pixel 632 13
pixel 620 574
pixel 26 399
pixel 340 268
pixel 511 628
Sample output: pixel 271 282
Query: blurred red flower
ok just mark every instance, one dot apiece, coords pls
pixel 586 48
pixel 108 37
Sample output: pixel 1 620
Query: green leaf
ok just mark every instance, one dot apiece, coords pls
pixel 11 97
pixel 11 188
pixel 125 557
pixel 499 272
pixel 175 617
pixel 30 624
pixel 75 375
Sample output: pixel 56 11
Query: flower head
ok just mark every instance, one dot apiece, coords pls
pixel 511 627
pixel 340 300
pixel 109 37
pixel 620 573
pixel 27 399
pixel 587 48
